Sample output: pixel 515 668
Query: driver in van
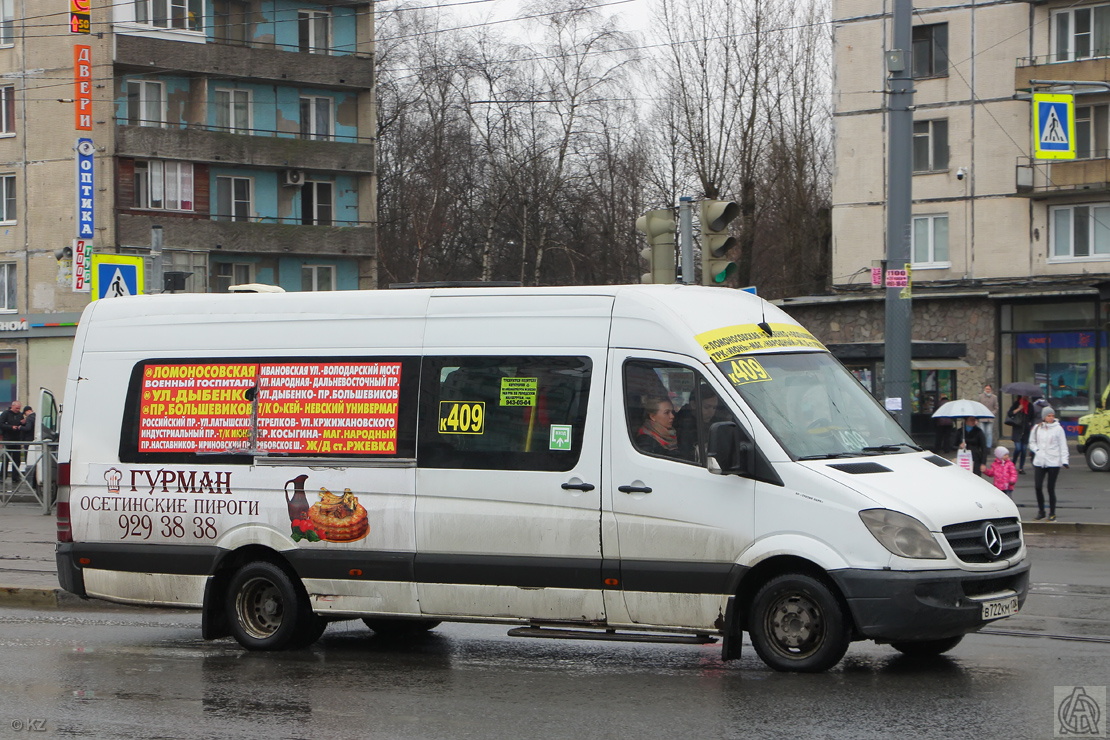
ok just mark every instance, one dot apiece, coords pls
pixel 657 435
pixel 687 419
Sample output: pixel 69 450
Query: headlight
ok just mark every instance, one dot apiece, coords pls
pixel 902 535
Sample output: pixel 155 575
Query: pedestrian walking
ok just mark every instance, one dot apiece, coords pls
pixel 972 439
pixel 988 399
pixel 11 423
pixel 1049 447
pixel 1002 471
pixel 1020 420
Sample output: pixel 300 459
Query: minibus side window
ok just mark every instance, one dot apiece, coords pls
pixel 669 409
pixel 232 410
pixel 503 412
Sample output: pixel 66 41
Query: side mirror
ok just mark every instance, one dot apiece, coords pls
pixel 730 452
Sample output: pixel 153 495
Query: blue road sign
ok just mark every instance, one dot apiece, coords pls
pixel 115 276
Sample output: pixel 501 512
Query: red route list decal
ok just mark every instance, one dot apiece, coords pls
pixel 315 408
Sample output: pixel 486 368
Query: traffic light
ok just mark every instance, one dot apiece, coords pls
pixel 659 225
pixel 716 267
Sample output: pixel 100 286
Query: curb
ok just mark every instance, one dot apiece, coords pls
pixel 1069 528
pixel 40 598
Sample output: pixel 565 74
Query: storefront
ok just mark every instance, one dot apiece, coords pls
pixel 34 353
pixel 1059 346
pixel 934 374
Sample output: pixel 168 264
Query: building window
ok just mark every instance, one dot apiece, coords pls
pixel 166 186
pixel 317 277
pixel 7 23
pixel 233 111
pixel 226 274
pixel 1080 232
pixel 930 50
pixel 145 105
pixel 1092 122
pixel 7 109
pixel 1081 33
pixel 930 145
pixel 233 199
pixel 7 286
pixel 930 241
pixel 316 118
pixel 194 263
pixel 183 14
pixel 229 21
pixel 7 199
pixel 317 204
pixel 313 31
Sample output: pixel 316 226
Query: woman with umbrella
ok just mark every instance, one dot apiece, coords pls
pixel 971 435
pixel 975 440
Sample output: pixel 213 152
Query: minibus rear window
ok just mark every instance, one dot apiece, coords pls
pixel 239 408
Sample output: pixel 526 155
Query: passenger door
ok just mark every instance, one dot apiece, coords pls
pixel 676 529
pixel 508 510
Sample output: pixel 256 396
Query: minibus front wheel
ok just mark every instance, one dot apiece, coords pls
pixel 267 610
pixel 797 624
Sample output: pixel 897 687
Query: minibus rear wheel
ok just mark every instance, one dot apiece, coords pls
pixel 266 610
pixel 798 624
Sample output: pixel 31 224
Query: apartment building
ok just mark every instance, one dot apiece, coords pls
pixel 1010 255
pixel 243 128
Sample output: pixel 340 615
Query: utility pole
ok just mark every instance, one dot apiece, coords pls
pixel 899 308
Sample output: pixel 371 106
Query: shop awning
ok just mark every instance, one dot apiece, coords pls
pixel 940 365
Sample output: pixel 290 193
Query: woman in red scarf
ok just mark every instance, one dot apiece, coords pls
pixel 656 436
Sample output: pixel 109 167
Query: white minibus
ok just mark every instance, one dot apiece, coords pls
pixel 662 462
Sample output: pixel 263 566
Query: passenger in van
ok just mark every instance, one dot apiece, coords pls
pixel 657 435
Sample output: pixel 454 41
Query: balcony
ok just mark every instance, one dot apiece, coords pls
pixel 1045 67
pixel 1038 179
pixel 245 237
pixel 229 61
pixel 220 147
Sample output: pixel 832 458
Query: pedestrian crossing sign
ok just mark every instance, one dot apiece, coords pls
pixel 116 275
pixel 1053 126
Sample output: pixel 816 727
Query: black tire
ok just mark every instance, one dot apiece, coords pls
pixel 1098 456
pixel 268 610
pixel 400 627
pixel 797 624
pixel 927 648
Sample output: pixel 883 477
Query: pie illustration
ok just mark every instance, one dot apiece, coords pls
pixel 339 518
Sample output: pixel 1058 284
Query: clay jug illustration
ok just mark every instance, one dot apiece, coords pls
pixel 298 503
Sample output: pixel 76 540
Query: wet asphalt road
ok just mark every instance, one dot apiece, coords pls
pixel 118 672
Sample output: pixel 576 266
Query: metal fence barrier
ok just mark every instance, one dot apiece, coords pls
pixel 30 473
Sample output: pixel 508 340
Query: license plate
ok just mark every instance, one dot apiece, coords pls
pixel 1000 608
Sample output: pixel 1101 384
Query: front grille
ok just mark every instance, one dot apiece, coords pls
pixel 967 539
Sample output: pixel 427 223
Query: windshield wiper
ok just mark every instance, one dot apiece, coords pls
pixel 891 447
pixel 829 456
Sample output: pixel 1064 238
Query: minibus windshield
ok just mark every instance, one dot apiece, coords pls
pixel 813 406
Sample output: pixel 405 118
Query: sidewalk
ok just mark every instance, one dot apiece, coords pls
pixel 29 576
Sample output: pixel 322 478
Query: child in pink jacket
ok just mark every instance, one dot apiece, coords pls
pixel 1002 471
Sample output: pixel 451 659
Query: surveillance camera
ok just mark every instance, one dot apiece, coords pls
pixel 961 173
